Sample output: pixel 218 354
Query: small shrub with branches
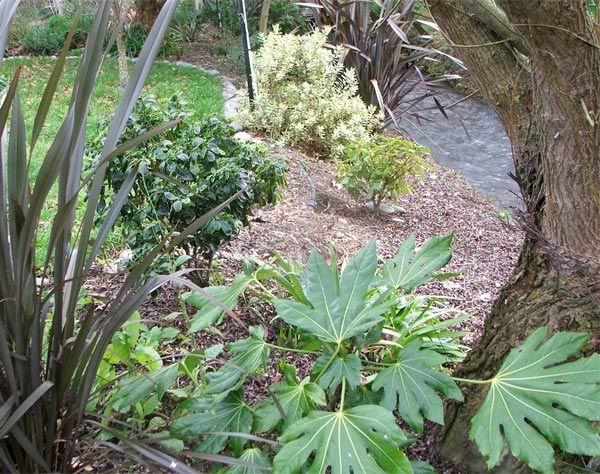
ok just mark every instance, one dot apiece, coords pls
pixel 378 170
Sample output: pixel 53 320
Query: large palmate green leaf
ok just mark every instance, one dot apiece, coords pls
pixel 257 463
pixel 251 354
pixel 229 415
pixel 339 310
pixel 409 269
pixel 290 398
pixel 535 399
pixel 135 389
pixel 363 439
pixel 411 385
pixel 210 312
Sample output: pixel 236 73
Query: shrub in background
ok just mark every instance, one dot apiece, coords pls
pixel 378 169
pixel 187 21
pixel 135 36
pixel 47 37
pixel 184 173
pixel 285 13
pixel 306 97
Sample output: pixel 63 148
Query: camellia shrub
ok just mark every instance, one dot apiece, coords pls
pixel 182 174
pixel 306 97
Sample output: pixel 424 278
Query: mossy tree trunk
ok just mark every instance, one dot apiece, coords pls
pixel 537 63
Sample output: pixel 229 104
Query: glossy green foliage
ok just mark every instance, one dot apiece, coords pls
pixel 376 352
pixel 338 309
pixel 132 372
pixel 230 413
pixel 254 462
pixel 291 399
pixel 181 175
pixel 412 267
pixel 413 387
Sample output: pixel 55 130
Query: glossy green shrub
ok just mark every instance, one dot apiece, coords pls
pixel 378 170
pixel 378 353
pixel 306 97
pixel 183 174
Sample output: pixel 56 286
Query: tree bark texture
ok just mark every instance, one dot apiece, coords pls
pixel 264 17
pixel 544 88
pixel 147 11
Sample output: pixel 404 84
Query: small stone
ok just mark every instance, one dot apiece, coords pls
pixel 242 136
pixel 212 72
pixel 125 255
pixel 110 268
pixel 387 208
pixel 184 64
pixel 398 209
pixel 237 126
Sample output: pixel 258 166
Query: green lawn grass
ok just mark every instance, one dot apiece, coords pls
pixel 202 92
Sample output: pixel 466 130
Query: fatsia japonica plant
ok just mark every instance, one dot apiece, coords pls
pixel 377 350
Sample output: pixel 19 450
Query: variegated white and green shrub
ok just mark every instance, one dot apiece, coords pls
pixel 306 97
